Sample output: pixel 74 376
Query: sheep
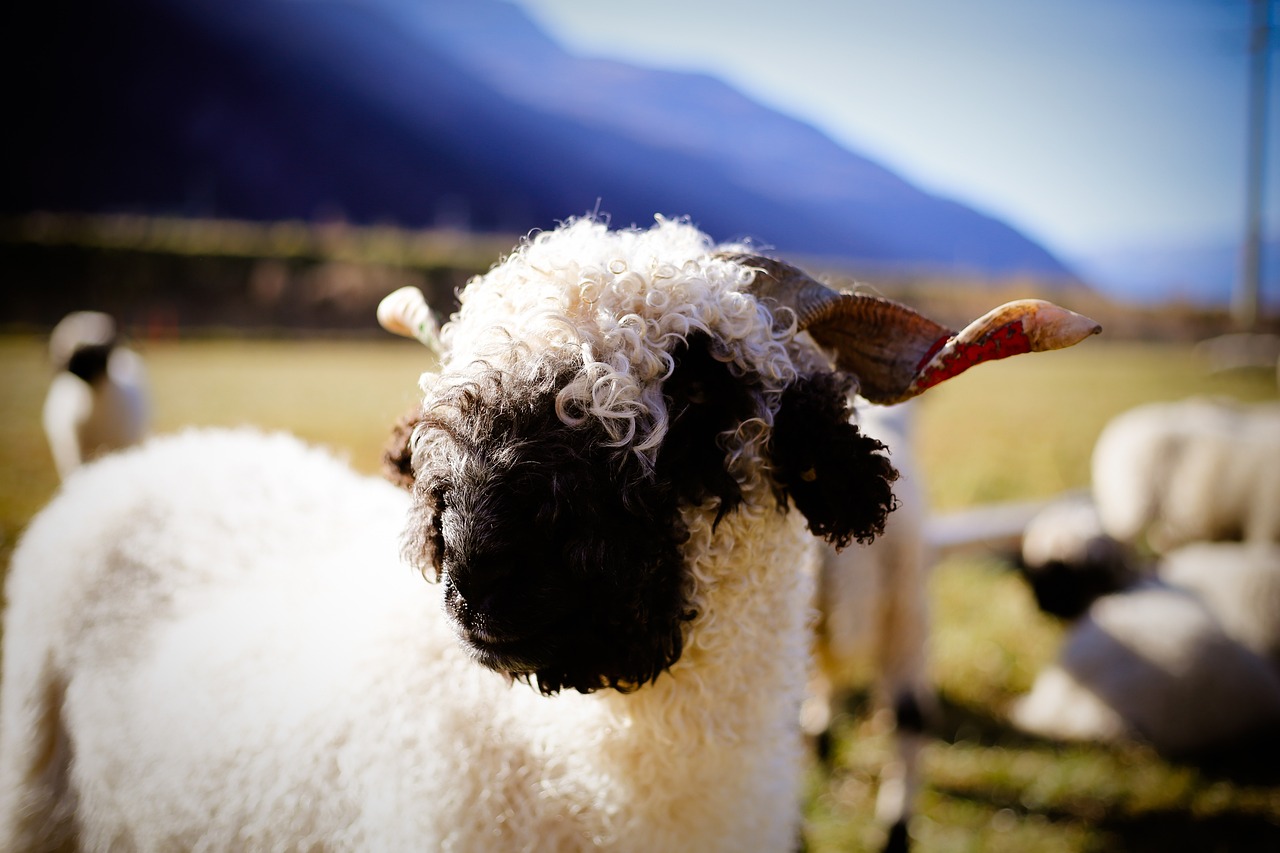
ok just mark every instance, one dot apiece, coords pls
pixel 1182 652
pixel 97 401
pixel 1199 469
pixel 873 619
pixel 221 639
pixel 1153 663
pixel 1239 583
pixel 1069 561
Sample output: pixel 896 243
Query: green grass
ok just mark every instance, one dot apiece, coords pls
pixel 1013 430
pixel 344 395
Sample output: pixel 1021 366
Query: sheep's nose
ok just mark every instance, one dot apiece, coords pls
pixel 486 583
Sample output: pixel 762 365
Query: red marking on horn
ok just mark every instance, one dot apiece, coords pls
pixel 1008 340
pixel 933 350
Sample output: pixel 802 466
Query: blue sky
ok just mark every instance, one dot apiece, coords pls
pixel 1092 125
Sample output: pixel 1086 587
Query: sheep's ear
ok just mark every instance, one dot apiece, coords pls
pixel 839 478
pixel 423 542
pixel 397 454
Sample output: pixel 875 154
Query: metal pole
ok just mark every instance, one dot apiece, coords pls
pixel 1245 305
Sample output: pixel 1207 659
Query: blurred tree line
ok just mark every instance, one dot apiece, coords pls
pixel 165 277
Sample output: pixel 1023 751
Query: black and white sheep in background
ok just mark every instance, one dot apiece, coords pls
pixel 1181 651
pixel 219 640
pixel 1069 561
pixel 97 401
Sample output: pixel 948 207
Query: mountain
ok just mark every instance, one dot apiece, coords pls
pixel 454 112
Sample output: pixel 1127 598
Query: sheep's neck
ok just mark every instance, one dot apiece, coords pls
pixel 720 730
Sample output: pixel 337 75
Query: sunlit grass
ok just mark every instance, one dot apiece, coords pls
pixel 1024 428
pixel 1014 430
pixel 343 395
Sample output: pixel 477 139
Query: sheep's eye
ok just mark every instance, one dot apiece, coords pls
pixel 440 496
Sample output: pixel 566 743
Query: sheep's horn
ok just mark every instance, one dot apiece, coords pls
pixel 897 353
pixel 405 312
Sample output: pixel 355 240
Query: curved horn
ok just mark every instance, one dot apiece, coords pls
pixel 1025 325
pixel 405 312
pixel 810 300
pixel 896 352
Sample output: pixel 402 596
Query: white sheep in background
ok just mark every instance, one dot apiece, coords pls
pixel 1154 663
pixel 1183 652
pixel 216 641
pixel 1193 470
pixel 1239 583
pixel 873 624
pixel 98 400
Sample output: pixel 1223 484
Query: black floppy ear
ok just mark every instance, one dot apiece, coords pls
pixel 397 455
pixel 839 478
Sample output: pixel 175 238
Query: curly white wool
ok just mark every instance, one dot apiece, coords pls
pixel 619 299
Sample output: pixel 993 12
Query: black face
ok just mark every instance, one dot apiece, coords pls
pixel 1067 589
pixel 559 564
pixel 560 555
pixel 90 362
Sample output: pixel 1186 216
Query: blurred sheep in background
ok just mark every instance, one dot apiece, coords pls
pixel 1162 663
pixel 1239 584
pixel 873 624
pixel 98 400
pixel 1069 561
pixel 1181 650
pixel 1199 469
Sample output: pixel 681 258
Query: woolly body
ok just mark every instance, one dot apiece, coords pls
pixel 1193 470
pixel 1240 584
pixel 213 642
pixel 1152 664
pixel 295 684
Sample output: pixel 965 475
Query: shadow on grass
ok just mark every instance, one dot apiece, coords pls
pixel 955 722
pixel 1163 832
pixel 1160 831
pixel 1253 761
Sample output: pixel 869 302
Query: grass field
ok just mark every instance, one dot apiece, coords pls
pixel 1012 430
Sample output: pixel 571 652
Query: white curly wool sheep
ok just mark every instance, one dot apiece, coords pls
pixel 218 641
pixel 97 401
pixel 1199 469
